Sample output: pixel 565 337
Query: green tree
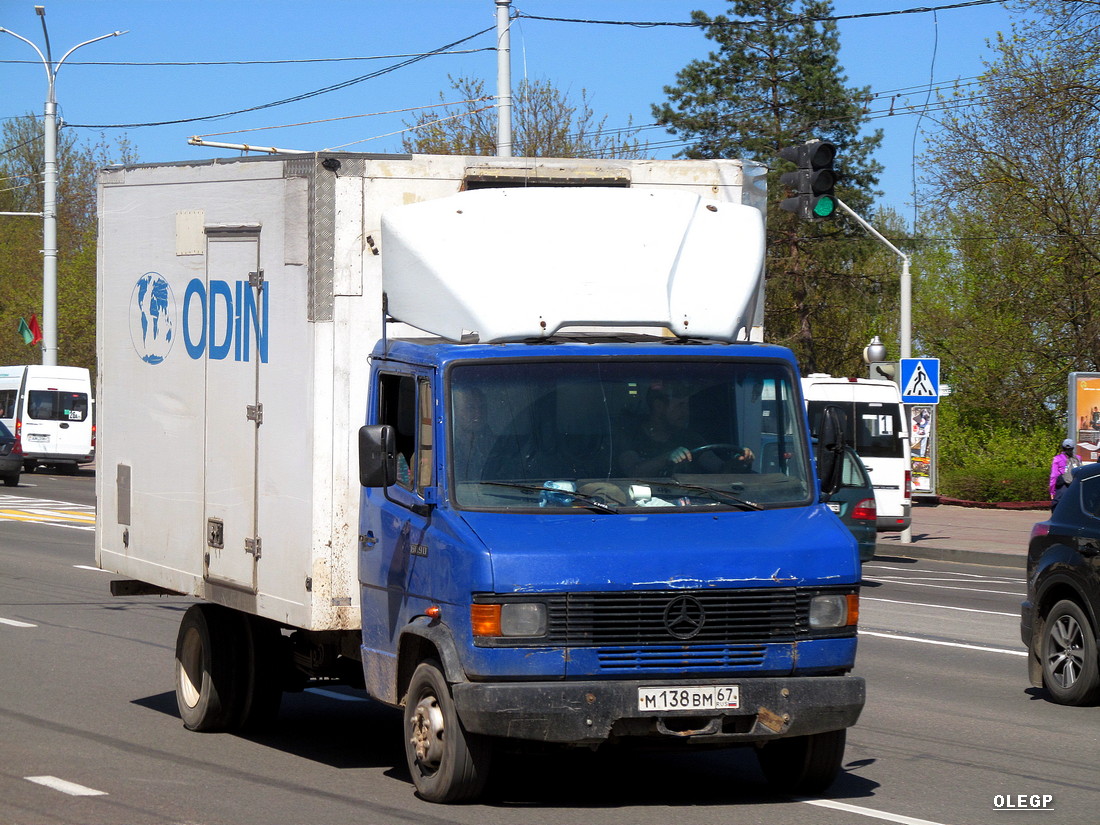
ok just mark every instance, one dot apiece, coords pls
pixel 545 123
pixel 21 174
pixel 1016 177
pixel 773 81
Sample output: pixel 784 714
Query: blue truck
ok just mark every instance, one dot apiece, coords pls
pixel 519 464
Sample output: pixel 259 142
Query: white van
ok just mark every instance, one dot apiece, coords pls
pixel 49 409
pixel 877 431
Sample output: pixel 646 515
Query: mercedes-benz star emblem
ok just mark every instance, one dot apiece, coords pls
pixel 685 617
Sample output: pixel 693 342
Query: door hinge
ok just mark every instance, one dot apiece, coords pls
pixel 253 546
pixel 255 413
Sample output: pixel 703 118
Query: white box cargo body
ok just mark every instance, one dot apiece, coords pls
pixel 238 303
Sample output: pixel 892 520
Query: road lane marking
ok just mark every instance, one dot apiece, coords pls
pixel 946 587
pixel 47 511
pixel 89 567
pixel 945 573
pixel 940 607
pixel 70 788
pixel 870 812
pixel 14 623
pixel 899 637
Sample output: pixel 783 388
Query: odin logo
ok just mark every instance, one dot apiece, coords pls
pixel 219 320
pixel 224 318
pixel 152 318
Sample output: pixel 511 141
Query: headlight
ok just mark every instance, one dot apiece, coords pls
pixel 513 619
pixel 834 610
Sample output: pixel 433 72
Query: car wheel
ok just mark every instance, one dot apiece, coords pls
pixel 265 661
pixel 11 480
pixel 447 763
pixel 803 764
pixel 208 668
pixel 1070 670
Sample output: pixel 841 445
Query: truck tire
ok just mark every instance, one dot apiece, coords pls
pixel 208 670
pixel 1068 655
pixel 447 764
pixel 265 662
pixel 803 764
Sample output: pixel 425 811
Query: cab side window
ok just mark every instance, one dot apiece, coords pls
pixel 406 405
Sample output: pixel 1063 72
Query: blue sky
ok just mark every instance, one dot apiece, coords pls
pixel 623 68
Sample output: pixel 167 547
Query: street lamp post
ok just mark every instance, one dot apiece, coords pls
pixel 905 321
pixel 504 80
pixel 49 187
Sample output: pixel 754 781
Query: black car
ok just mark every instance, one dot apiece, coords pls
pixel 11 457
pixel 1059 619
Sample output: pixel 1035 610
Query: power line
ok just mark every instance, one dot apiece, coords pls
pixel 296 98
pixel 279 62
pixel 749 23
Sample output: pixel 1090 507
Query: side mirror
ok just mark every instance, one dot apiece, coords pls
pixel 830 450
pixel 377 456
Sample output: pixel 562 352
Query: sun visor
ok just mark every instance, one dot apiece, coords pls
pixel 515 264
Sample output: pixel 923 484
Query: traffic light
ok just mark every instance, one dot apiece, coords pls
pixel 813 181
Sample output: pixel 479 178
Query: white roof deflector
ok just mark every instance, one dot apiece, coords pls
pixel 514 264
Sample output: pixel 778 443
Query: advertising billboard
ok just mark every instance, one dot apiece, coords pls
pixel 1084 414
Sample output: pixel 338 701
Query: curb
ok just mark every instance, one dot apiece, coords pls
pixel 995 505
pixel 916 551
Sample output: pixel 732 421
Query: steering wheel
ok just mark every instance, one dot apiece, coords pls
pixel 707 448
pixel 731 456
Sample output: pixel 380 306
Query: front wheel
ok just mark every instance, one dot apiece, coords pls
pixel 1068 656
pixel 803 764
pixel 447 763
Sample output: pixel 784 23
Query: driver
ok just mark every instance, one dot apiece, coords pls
pixel 662 443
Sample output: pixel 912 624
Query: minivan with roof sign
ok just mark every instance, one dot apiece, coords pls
pixel 875 428
pixel 49 410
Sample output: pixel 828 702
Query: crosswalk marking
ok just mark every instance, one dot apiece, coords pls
pixel 47 511
pixel 65 786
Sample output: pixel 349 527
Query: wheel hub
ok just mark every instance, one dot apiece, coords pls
pixel 427 732
pixel 190 679
pixel 1066 657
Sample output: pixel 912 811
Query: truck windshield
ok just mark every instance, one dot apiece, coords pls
pixel 591 436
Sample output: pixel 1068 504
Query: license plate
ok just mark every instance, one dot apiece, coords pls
pixel 37 437
pixel 716 697
pixel 834 506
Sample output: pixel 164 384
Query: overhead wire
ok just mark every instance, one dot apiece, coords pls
pixel 793 20
pixel 275 62
pixel 294 99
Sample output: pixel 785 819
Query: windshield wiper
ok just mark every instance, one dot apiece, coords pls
pixel 591 502
pixel 711 491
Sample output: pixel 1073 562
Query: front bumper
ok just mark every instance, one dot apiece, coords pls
pixel 591 712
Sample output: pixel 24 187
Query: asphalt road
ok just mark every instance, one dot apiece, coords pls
pixel 952 732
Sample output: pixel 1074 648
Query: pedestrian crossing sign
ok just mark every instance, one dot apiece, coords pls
pixel 919 380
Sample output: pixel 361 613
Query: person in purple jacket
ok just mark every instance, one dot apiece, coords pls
pixel 1061 470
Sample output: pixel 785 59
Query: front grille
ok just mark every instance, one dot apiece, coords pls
pixel 680 618
pixel 650 617
pixel 704 658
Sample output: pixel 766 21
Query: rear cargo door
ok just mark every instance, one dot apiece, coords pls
pixel 233 411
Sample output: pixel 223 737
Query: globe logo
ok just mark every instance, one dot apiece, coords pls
pixel 152 318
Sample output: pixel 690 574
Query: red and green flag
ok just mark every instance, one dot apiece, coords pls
pixel 31 332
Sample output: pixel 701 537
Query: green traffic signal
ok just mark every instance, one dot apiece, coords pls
pixel 825 206
pixel 812 182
